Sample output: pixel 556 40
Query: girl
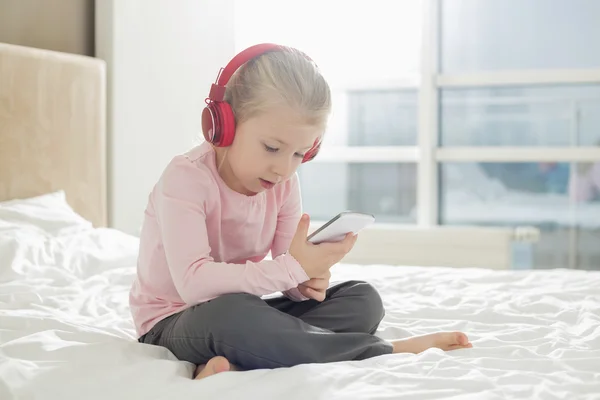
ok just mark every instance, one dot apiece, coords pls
pixel 218 210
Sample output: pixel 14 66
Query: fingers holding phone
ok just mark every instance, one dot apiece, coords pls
pixel 337 250
pixel 316 259
pixel 344 246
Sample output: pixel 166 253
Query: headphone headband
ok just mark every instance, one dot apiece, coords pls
pixel 217 90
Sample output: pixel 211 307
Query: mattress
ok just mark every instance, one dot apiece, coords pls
pixel 66 331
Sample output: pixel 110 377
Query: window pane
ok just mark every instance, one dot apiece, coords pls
pixel 382 118
pixel 537 194
pixel 356 45
pixel 488 35
pixel 386 190
pixel 566 115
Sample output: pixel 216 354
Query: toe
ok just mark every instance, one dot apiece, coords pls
pixel 461 339
pixel 459 347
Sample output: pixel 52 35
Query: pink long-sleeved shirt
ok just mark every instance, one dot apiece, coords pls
pixel 200 239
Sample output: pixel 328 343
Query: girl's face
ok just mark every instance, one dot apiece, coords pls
pixel 267 150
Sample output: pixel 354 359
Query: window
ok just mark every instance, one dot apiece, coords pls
pixel 519 122
pixel 386 190
pixel 550 115
pixel 382 118
pixel 444 113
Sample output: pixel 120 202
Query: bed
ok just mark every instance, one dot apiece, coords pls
pixel 65 328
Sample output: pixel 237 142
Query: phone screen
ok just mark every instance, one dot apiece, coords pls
pixel 339 226
pixel 324 226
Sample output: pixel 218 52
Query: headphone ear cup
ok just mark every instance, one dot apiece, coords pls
pixel 312 153
pixel 218 124
pixel 210 124
pixel 227 120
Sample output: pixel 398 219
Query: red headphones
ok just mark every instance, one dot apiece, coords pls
pixel 218 121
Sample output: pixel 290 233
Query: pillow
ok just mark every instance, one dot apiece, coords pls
pixel 49 213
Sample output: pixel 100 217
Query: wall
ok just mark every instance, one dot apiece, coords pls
pixel 61 25
pixel 162 57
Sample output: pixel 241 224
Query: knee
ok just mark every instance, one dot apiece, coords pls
pixel 371 299
pixel 369 305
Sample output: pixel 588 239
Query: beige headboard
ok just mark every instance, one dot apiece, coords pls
pixel 53 128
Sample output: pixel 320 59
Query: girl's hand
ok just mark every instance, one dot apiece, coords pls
pixel 316 288
pixel 316 259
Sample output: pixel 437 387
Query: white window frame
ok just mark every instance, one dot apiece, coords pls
pixel 428 155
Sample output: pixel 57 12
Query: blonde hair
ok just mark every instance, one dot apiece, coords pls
pixel 279 78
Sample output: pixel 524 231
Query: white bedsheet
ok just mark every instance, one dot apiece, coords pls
pixel 66 332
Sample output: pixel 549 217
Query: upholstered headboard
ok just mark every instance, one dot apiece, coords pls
pixel 53 128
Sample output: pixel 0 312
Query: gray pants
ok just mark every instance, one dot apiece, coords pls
pixel 254 333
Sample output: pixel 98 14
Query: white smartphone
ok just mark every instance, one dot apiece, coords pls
pixel 336 228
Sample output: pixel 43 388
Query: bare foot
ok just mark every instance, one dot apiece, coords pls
pixel 442 340
pixel 214 366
